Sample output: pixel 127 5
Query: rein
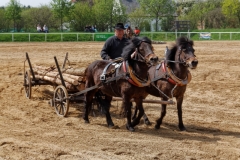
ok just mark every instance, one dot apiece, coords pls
pixel 175 61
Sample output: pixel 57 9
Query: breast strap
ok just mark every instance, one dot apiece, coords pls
pixel 132 78
pixel 174 79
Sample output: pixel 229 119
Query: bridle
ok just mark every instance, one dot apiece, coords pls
pixel 131 75
pixel 137 56
pixel 180 60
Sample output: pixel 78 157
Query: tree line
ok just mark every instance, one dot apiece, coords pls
pixel 104 14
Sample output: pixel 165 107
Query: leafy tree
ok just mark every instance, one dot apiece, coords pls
pixel 158 9
pixel 199 12
pixel 81 16
pixel 183 8
pixel 107 13
pixel 103 14
pixel 61 9
pixel 215 19
pixel 137 17
pixel 167 23
pixel 13 12
pixel 231 8
pixel 2 20
pixel 42 15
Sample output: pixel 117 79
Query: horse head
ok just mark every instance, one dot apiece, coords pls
pixel 185 52
pixel 141 49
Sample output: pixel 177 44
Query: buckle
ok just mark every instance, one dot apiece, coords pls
pixel 102 77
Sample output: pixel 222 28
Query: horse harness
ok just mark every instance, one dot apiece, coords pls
pixel 170 77
pixel 128 74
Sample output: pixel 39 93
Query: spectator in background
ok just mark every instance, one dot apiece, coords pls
pixel 39 29
pixel 45 28
pixel 95 28
pixel 137 31
pixel 128 33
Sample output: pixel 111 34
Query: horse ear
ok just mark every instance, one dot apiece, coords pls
pixel 136 41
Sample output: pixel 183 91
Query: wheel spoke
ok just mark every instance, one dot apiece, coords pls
pixel 61 100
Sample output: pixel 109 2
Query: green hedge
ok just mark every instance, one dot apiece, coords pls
pixel 5 37
pixel 73 37
pixel 37 37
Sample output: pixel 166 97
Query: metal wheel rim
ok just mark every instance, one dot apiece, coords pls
pixel 61 101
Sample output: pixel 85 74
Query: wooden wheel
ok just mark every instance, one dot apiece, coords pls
pixel 28 84
pixel 61 101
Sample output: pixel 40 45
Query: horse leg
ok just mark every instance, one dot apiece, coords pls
pixel 179 108
pixel 104 101
pixel 163 113
pixel 126 104
pixel 145 118
pixel 107 111
pixel 87 105
pixel 135 113
pixel 139 105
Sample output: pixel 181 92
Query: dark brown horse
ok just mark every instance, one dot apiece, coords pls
pixel 127 79
pixel 170 78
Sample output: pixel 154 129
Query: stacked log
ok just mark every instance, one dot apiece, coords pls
pixel 74 78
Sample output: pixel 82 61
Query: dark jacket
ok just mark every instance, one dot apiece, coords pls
pixel 113 48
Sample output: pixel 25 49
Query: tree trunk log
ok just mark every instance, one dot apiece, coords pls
pixel 66 77
pixel 77 72
pixel 54 80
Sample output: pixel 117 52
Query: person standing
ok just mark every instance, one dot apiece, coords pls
pixel 128 33
pixel 114 45
pixel 39 29
pixel 45 28
pixel 137 31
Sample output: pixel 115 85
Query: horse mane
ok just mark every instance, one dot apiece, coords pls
pixel 131 47
pixel 180 42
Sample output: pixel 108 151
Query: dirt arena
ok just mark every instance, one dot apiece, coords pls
pixel 30 128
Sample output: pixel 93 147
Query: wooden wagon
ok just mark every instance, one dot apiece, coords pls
pixel 64 92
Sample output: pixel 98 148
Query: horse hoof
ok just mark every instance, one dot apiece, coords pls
pixel 110 125
pixel 182 129
pixel 157 127
pixel 86 121
pixel 131 129
pixel 147 122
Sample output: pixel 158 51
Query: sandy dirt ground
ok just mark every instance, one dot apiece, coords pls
pixel 30 128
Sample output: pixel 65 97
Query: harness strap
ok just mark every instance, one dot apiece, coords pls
pixel 132 78
pixel 103 75
pixel 175 80
pixel 178 81
pixel 125 69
